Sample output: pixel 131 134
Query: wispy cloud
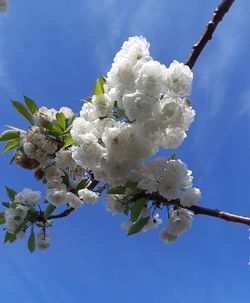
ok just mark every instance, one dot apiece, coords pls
pixel 227 45
pixel 245 103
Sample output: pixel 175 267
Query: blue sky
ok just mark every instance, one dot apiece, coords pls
pixel 53 51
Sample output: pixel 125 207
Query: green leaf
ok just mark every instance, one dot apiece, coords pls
pixel 126 209
pixel 88 99
pixel 68 141
pixel 6 204
pixel 49 210
pixel 119 190
pixel 21 109
pixel 82 184
pixel 133 187
pixel 17 218
pixel 2 218
pixel 9 135
pixel 11 144
pixel 66 179
pixel 121 113
pixel 98 88
pixel 9 237
pixel 31 105
pixel 32 241
pixel 138 226
pixel 11 193
pixel 54 129
pixel 20 227
pixel 61 120
pixel 136 209
pixel 172 157
pixel 102 80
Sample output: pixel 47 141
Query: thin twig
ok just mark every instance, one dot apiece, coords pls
pixel 217 17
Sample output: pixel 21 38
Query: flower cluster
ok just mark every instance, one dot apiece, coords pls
pixel 20 212
pixel 140 106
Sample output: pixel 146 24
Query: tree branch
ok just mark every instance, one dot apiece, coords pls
pixel 198 210
pixel 217 17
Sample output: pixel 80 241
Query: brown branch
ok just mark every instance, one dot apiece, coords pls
pixel 158 199
pixel 68 211
pixel 217 17
pixel 198 210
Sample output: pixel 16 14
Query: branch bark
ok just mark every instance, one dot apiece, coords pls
pixel 217 17
pixel 199 210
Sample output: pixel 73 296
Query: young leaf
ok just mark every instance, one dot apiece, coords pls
pixel 172 157
pixel 2 218
pixel 61 120
pixel 98 88
pixel 133 187
pixel 31 104
pixel 138 226
pixel 54 129
pixel 9 135
pixel 68 141
pixel 32 241
pixel 6 204
pixel 66 179
pixel 136 209
pixel 11 144
pixel 11 193
pixel 88 99
pixel 119 190
pixel 21 109
pixel 9 237
pixel 102 80
pixel 49 210
pixel 82 184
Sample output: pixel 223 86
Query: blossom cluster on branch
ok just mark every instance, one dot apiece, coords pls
pixel 140 106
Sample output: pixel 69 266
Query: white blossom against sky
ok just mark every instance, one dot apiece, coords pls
pixel 53 51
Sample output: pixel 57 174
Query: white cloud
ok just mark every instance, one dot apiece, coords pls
pixel 218 59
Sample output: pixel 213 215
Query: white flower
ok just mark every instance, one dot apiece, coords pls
pixel 190 197
pixel 114 204
pixel 140 107
pixel 67 112
pixel 127 62
pixel 135 49
pixel 73 200
pixel 126 225
pixel 88 196
pixel 152 223
pixel 179 79
pixel 152 79
pixel 42 240
pixel 56 196
pixel 64 159
pixel 45 114
pixel 14 217
pixel 103 105
pixel 90 153
pixel 179 221
pixel 27 197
